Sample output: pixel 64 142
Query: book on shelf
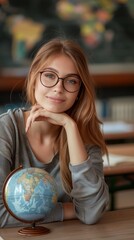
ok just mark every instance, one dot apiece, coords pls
pixel 116 108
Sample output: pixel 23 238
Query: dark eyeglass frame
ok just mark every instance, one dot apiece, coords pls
pixel 59 78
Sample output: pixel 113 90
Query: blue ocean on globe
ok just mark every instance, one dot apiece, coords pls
pixel 30 194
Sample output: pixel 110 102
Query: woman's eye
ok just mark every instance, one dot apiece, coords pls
pixel 50 75
pixel 73 81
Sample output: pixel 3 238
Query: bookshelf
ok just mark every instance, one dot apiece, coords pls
pixel 103 75
pixel 113 83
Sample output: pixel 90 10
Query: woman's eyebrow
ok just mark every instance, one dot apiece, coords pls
pixel 66 75
pixel 52 69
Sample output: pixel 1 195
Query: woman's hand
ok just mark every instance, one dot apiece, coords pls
pixel 38 113
pixel 75 143
pixel 69 211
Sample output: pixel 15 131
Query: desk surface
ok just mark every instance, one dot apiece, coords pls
pixel 122 167
pixel 114 225
pixel 114 130
pixel 126 149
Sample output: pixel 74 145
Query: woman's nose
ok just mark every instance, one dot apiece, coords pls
pixel 59 86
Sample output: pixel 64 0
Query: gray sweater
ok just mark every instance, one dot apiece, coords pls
pixel 89 194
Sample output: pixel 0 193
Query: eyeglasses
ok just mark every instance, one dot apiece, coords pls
pixel 71 83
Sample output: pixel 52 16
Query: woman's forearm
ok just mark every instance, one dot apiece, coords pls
pixel 76 146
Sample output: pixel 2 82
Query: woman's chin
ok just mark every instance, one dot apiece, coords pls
pixel 52 109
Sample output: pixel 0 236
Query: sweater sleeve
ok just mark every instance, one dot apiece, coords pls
pixel 90 192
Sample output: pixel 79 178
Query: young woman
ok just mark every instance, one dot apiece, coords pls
pixel 59 133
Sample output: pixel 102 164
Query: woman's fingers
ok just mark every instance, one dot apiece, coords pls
pixel 31 117
pixel 38 113
pixel 28 124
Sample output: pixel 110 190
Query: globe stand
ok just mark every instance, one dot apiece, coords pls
pixel 33 230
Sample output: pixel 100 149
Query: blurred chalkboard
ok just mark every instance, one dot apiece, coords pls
pixel 104 29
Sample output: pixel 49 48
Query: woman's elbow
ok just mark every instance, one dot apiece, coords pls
pixel 93 214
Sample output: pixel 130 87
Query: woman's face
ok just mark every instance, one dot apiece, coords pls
pixel 56 99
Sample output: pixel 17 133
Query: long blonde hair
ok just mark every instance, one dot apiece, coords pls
pixel 83 111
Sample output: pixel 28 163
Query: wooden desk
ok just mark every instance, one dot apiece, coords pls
pixel 122 149
pixel 117 130
pixel 121 176
pixel 114 225
pixel 124 167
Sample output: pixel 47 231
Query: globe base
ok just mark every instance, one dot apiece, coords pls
pixel 33 231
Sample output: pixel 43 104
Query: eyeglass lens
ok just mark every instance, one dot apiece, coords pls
pixel 70 83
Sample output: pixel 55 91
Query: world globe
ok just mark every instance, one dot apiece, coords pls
pixel 29 195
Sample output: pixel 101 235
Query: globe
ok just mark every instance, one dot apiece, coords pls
pixel 29 195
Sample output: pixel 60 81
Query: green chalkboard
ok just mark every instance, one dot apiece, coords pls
pixel 104 29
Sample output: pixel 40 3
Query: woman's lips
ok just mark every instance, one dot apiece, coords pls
pixel 55 99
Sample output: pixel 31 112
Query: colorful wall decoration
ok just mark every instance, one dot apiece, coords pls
pixel 104 28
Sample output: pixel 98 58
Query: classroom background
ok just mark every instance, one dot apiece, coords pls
pixel 105 31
